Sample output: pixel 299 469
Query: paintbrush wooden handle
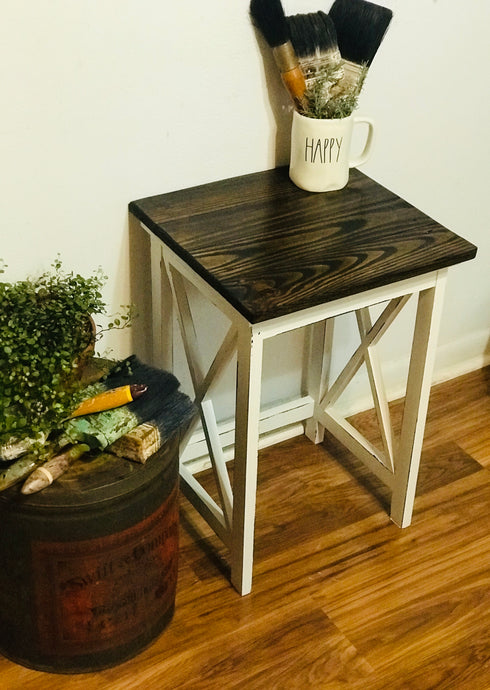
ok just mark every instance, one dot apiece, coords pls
pixel 294 81
pixel 110 399
pixel 291 72
pixel 47 473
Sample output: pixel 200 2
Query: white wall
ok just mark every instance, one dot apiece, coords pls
pixel 106 101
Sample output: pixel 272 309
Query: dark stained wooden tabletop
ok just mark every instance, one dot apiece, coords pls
pixel 272 249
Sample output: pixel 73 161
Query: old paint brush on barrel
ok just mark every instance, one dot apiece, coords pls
pixel 268 16
pixel 45 474
pixel 110 399
pixel 15 447
pixel 106 403
pixel 23 467
pixel 18 470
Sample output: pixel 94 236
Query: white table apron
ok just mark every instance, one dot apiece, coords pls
pixel 396 464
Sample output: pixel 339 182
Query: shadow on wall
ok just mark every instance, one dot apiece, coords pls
pixel 140 288
pixel 279 100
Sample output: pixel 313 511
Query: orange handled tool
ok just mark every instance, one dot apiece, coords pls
pixel 110 399
pixel 269 17
pixel 291 72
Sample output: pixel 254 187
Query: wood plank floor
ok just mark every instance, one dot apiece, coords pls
pixel 342 598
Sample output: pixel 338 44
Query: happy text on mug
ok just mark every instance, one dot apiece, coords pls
pixel 325 150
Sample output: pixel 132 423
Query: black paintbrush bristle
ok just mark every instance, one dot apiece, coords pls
pixel 315 42
pixel 312 34
pixel 268 16
pixel 328 31
pixel 297 34
pixel 160 385
pixel 360 27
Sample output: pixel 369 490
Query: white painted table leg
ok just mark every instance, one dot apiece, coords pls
pixel 376 383
pixel 416 401
pixel 249 370
pixel 167 322
pixel 162 309
pixel 319 341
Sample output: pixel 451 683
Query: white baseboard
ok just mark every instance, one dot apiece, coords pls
pixel 462 356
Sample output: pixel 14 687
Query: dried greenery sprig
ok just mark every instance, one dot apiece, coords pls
pixel 324 100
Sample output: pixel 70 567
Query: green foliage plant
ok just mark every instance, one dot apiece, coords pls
pixel 46 332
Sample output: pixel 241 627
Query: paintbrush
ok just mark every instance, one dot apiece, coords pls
pixel 268 16
pixel 176 411
pixel 46 474
pixel 314 39
pixel 361 27
pixel 109 399
pixel 97 430
pixel 18 470
pixel 101 429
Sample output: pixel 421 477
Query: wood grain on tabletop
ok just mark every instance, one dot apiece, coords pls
pixel 271 249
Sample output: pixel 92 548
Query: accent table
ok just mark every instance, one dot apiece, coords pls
pixel 273 258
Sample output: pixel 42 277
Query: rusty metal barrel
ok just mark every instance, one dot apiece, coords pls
pixel 88 567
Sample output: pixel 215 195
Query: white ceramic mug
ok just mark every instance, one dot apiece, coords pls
pixel 320 151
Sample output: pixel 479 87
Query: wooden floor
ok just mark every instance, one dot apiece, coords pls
pixel 342 598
